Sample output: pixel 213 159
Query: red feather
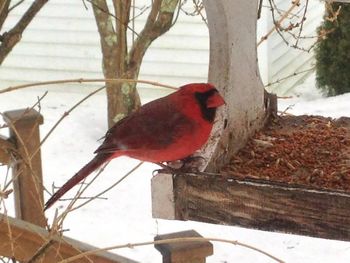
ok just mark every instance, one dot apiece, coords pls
pixel 166 129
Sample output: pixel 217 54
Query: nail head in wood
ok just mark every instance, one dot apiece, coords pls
pixel 184 252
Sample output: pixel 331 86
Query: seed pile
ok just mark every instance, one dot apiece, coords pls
pixel 304 150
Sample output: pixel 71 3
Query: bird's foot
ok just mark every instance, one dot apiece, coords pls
pixel 193 163
pixel 165 169
pixel 187 165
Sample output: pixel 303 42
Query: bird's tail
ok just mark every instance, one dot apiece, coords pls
pixel 79 176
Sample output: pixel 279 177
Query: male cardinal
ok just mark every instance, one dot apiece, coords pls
pixel 167 129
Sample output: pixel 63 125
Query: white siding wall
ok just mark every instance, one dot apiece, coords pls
pixel 62 42
pixel 282 60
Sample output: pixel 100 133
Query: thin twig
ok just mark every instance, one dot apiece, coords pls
pixel 260 8
pixel 83 80
pixel 10 234
pixel 287 109
pixel 285 15
pixel 198 10
pixel 5 194
pixel 15 5
pixel 134 16
pixel 85 5
pixel 6 183
pixel 302 23
pixel 281 11
pixel 172 240
pixel 60 218
pixel 64 115
pixel 70 208
pixel 10 38
pixel 289 76
pixel 277 24
pixel 112 15
pixel 27 110
pixel 177 14
pixel 111 187
pixel 133 21
pixel 41 251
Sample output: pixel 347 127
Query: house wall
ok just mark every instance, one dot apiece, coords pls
pixel 62 42
pixel 281 59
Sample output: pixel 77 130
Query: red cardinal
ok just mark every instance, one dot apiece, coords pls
pixel 167 129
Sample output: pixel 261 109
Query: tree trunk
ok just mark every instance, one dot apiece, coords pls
pixel 123 98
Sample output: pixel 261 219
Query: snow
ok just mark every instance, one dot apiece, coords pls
pixel 125 217
pixel 308 100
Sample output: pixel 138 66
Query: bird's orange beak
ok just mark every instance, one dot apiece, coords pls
pixel 215 101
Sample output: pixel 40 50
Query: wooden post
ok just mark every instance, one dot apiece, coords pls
pixel 185 252
pixel 27 171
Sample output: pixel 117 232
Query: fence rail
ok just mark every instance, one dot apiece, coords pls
pixel 22 240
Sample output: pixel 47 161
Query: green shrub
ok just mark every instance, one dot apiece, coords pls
pixel 333 53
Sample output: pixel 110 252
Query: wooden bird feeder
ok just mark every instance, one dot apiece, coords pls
pixel 252 202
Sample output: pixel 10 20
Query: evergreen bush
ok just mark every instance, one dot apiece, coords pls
pixel 333 53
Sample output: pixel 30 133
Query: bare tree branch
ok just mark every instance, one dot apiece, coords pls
pixel 158 22
pixel 11 38
pixel 198 9
pixel 122 10
pixel 302 23
pixel 108 36
pixel 117 61
pixel 15 5
pixel 93 3
pixel 277 24
pixel 4 11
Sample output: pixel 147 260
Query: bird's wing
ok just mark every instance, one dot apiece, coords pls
pixel 155 126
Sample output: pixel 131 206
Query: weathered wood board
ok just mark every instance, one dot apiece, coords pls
pixel 263 205
pixel 21 240
pixel 194 252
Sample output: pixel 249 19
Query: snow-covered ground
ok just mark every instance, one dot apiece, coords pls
pixel 308 100
pixel 126 216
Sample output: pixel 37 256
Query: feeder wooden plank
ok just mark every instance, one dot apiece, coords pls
pixel 21 240
pixel 263 205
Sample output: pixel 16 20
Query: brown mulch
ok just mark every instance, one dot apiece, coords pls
pixel 306 150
